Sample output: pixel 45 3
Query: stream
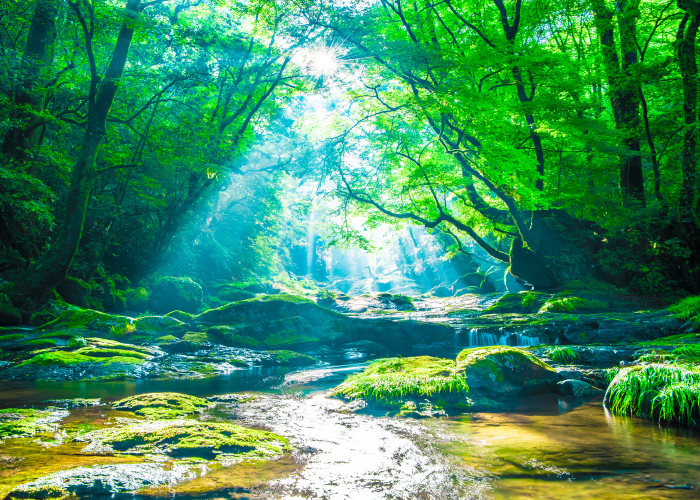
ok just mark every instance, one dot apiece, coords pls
pixel 542 447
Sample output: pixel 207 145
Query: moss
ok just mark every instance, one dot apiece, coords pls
pixel 113 344
pixel 40 343
pixel 160 325
pixel 162 405
pixel 187 438
pixel 166 340
pixel 110 353
pixel 42 491
pixel 57 358
pixel 475 355
pixel 85 319
pixel 683 338
pixel 291 358
pixel 11 337
pixel 197 338
pixel 23 422
pixel 137 299
pixel 390 380
pixel 180 316
pixel 572 304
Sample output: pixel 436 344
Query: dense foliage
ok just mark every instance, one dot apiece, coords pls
pixel 557 137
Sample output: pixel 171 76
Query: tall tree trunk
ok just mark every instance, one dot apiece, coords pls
pixel 624 92
pixel 52 267
pixel 689 209
pixel 38 53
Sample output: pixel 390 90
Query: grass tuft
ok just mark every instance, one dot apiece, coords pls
pixel 562 354
pixel 687 309
pixel 663 392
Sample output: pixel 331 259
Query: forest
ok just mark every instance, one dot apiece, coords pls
pixel 274 232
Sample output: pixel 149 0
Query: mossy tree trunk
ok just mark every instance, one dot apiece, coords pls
pixel 52 267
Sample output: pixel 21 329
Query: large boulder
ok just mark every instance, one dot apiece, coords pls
pixel 173 293
pixel 74 291
pixel 503 372
pixel 269 318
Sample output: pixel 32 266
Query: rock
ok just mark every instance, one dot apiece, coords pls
pixel 180 316
pixel 74 291
pixel 102 480
pixel 187 438
pixel 9 314
pixel 49 312
pixel 512 284
pixel 159 405
pixel 28 421
pixel 577 389
pixel 278 322
pixel 235 295
pixel 502 372
pixel 152 326
pixel 137 299
pixel 468 280
pixel 87 320
pixel 173 294
pixel 291 358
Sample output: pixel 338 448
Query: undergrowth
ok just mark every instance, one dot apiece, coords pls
pixel 562 354
pixel 661 392
pixel 392 378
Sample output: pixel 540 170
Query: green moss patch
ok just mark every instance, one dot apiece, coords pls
pixel 57 358
pixel 24 422
pixel 572 304
pixel 291 358
pixel 109 353
pixel 160 405
pixel 87 319
pixel 188 438
pixel 390 379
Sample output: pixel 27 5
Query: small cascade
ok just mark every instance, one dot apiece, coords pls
pixel 476 338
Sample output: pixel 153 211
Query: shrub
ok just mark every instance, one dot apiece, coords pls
pixel 562 354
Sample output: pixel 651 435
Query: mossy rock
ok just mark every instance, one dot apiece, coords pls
pixel 234 294
pixel 89 320
pixel 188 438
pixel 180 316
pixel 74 291
pixel 9 314
pixel 96 352
pixel 176 294
pixel 502 372
pixel 291 358
pixel 405 384
pixel 268 317
pixel 159 326
pixel 572 304
pixel 24 422
pixel 159 405
pixel 57 358
pixel 137 299
pixel 522 302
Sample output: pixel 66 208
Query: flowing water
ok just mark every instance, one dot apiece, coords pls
pixel 542 447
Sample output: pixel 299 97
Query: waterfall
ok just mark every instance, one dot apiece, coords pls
pixel 477 338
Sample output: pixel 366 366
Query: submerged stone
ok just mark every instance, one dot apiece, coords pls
pixel 577 388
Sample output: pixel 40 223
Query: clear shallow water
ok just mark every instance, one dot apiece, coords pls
pixel 544 447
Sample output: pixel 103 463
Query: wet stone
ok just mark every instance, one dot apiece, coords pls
pixel 577 389
pixel 102 480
